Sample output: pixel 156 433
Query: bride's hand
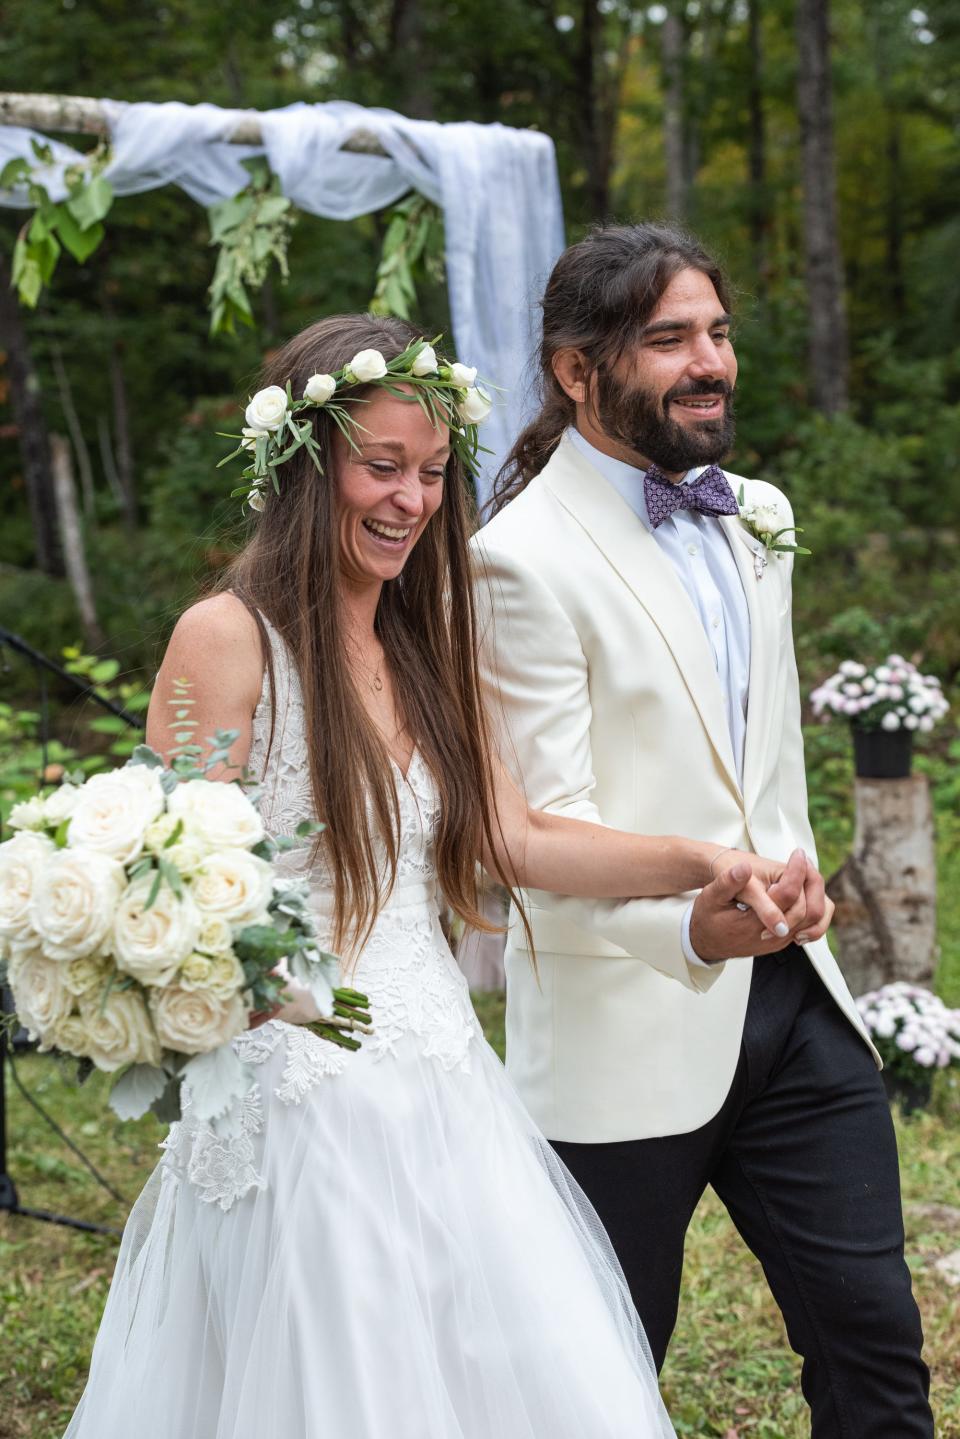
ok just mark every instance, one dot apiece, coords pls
pixel 795 887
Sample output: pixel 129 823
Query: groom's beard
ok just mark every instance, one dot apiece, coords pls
pixel 641 421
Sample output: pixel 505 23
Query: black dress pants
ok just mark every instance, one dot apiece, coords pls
pixel 802 1153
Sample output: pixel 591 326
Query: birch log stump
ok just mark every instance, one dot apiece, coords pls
pixel 885 893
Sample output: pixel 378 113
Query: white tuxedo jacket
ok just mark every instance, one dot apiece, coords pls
pixel 602 680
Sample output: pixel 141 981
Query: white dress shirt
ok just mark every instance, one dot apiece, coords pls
pixel 698 548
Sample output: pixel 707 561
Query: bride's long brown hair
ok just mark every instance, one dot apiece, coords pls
pixel 289 571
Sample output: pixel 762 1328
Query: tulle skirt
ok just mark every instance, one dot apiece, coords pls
pixel 388 1252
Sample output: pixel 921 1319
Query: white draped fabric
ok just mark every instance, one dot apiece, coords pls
pixel 497 187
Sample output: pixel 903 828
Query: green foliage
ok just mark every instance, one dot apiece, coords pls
pixel 252 230
pixel 73 224
pixel 412 252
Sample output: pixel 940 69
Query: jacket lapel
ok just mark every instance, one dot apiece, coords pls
pixel 631 550
pixel 762 594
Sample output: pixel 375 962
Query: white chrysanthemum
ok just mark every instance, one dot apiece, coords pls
pixel 195 1021
pixel 151 944
pixel 22 862
pixel 219 816
pixel 74 902
pixel 114 811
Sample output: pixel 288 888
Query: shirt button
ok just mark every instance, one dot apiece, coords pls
pixel 716 622
pixel 692 550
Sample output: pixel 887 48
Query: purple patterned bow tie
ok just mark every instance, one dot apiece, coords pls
pixel 709 493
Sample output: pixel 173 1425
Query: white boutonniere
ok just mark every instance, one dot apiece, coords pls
pixel 765 524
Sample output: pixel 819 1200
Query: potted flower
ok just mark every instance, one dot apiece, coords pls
pixel 886 706
pixel 915 1034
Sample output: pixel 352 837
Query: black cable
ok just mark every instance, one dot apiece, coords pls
pixel 104 1183
pixel 42 660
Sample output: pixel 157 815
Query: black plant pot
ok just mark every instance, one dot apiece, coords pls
pixel 882 754
pixel 910 1094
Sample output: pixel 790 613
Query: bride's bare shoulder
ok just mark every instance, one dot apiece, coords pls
pixel 219 636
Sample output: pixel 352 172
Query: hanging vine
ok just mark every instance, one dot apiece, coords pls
pixel 74 224
pixel 412 253
pixel 252 229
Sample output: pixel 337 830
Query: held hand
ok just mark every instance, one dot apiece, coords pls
pixel 786 903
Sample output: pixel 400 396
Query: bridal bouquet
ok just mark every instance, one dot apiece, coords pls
pixel 143 922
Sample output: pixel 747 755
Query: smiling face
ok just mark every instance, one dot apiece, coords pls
pixel 669 398
pixel 389 489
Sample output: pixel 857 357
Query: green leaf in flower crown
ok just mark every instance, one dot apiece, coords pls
pixel 136 1090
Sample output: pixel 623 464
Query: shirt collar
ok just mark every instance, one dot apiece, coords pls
pixel 626 479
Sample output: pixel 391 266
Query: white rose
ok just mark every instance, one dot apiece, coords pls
pixel 426 362
pixel 217 815
pixel 73 905
pixel 86 975
pixel 22 862
pixel 267 409
pixel 114 810
pixel 61 804
pixel 222 975
pixel 40 997
pixel 474 407
pixel 28 814
pixel 767 519
pixel 319 389
pixel 250 438
pixel 368 365
pixel 465 376
pixel 215 935
pixel 70 1035
pixel 187 852
pixel 122 1033
pixel 195 1021
pixel 151 944
pixel 233 885
pixel 890 721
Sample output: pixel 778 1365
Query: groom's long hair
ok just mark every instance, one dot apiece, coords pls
pixel 601 293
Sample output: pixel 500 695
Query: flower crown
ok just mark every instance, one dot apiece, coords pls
pixel 446 391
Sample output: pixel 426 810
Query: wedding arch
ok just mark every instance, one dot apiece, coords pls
pixel 497 189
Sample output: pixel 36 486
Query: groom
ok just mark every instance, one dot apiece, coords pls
pixel 639 648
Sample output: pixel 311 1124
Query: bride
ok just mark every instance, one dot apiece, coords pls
pixel 386 1247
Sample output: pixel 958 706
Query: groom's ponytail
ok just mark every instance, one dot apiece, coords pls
pixel 601 293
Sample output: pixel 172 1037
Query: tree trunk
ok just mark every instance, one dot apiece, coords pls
pixel 591 139
pixel 121 425
pixel 76 433
pixel 674 149
pixel 885 893
pixel 25 396
pixel 71 533
pixel 406 49
pixel 829 354
pixel 757 155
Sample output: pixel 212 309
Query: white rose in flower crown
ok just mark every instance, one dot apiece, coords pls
pixel 194 1021
pixel 368 365
pixel 119 1032
pixel 73 904
pixel 267 409
pixel 464 376
pixel 250 438
pixel 235 886
pixel 474 407
pixel 40 997
pixel 22 861
pixel 28 814
pixel 257 500
pixel 114 810
pixel 217 815
pixel 319 389
pixel 425 363
pixel 151 944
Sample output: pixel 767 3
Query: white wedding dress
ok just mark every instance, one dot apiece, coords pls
pixel 388 1248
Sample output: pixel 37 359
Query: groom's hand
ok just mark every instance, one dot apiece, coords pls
pixel 719 930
